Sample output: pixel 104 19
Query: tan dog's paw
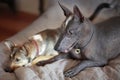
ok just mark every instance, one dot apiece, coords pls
pixel 41 63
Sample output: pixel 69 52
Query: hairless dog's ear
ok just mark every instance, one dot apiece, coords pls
pixel 78 13
pixel 10 45
pixel 66 11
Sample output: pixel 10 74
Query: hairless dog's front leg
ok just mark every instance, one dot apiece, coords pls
pixel 84 64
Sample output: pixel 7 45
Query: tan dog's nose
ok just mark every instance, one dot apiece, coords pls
pixel 8 69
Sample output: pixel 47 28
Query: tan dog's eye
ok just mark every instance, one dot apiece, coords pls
pixel 17 59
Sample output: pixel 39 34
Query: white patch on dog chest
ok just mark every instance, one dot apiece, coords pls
pixel 38 37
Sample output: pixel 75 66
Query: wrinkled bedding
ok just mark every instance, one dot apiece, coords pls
pixel 55 70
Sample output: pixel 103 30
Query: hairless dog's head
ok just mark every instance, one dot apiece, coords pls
pixel 76 30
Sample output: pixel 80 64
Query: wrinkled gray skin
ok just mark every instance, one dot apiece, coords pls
pixel 98 43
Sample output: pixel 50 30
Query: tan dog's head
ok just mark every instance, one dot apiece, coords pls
pixel 18 55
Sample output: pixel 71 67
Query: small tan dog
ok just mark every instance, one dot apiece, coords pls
pixel 40 45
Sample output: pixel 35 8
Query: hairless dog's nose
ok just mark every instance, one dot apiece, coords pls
pixel 56 48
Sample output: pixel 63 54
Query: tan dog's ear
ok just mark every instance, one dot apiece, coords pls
pixel 10 45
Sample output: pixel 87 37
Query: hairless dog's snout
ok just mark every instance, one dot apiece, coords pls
pixel 58 49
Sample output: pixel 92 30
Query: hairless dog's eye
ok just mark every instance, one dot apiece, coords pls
pixel 70 32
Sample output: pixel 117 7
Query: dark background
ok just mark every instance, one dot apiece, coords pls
pixel 12 20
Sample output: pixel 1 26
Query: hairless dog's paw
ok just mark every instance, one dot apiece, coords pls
pixel 72 72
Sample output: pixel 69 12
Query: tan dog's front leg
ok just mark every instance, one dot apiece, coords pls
pixel 55 58
pixel 40 59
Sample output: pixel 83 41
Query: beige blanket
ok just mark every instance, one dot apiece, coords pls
pixel 55 70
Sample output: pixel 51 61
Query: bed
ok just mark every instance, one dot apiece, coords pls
pixel 53 18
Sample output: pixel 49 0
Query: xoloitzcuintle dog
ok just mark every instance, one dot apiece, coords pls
pixel 98 43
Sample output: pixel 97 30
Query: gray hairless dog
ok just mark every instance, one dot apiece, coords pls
pixel 98 44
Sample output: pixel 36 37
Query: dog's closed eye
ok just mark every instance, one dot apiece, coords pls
pixel 17 59
pixel 70 32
